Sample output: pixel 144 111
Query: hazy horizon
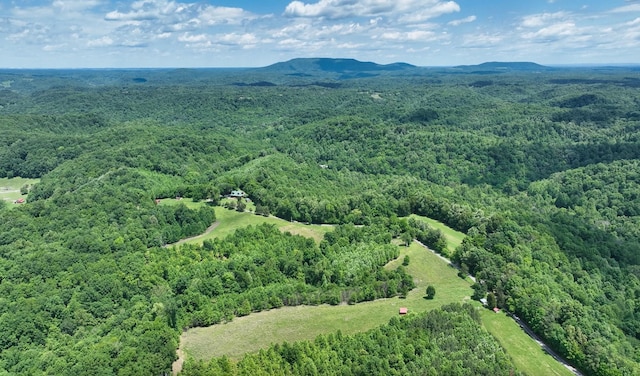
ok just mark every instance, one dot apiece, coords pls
pixel 243 33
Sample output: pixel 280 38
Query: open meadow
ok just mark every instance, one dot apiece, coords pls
pixel 10 188
pixel 528 356
pixel 289 324
pixel 259 330
pixel 227 221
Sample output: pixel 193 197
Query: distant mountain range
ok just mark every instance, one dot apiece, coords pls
pixel 352 68
pixel 498 66
pixel 347 68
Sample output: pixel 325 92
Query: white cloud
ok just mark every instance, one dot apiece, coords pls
pixel 31 34
pixel 76 5
pixel 131 16
pixel 482 40
pixel 339 29
pixel 335 9
pixel 173 13
pixel 290 42
pixel 54 47
pixel 303 47
pixel 416 35
pixel 537 20
pixel 100 42
pixel 291 30
pixel 553 31
pixel 188 38
pixel 212 15
pixel 350 46
pixel 146 10
pixel 178 32
pixel 309 30
pixel 245 40
pixel 627 9
pixel 462 21
pixel 436 10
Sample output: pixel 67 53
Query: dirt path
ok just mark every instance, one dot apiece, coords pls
pixel 544 346
pixel 445 259
pixel 206 232
pixel 176 367
pixel 524 326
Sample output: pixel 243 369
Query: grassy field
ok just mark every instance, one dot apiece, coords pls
pixel 454 238
pixel 260 330
pixel 10 188
pixel 230 220
pixel 528 356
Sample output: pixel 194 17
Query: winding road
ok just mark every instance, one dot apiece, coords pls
pixel 522 324
pixel 544 346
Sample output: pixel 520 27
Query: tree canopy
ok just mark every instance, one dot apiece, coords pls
pixel 540 170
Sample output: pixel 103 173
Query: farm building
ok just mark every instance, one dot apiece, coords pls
pixel 404 310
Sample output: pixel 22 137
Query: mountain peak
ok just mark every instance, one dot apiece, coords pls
pixel 505 66
pixel 332 65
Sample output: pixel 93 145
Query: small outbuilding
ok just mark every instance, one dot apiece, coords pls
pixel 496 309
pixel 403 310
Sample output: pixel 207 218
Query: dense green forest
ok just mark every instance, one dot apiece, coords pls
pixel 538 167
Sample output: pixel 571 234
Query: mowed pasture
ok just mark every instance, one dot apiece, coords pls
pixel 527 355
pixel 454 238
pixel 10 188
pixel 289 324
pixel 259 330
pixel 229 221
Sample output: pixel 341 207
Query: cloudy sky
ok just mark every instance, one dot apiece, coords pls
pixel 249 33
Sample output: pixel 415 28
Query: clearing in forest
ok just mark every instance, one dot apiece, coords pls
pixel 228 221
pixel 259 330
pixel 10 188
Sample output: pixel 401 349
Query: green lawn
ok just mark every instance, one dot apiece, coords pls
pixel 10 188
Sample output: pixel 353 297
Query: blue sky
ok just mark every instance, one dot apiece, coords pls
pixel 245 33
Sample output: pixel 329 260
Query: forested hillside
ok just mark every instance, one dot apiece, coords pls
pixel 539 168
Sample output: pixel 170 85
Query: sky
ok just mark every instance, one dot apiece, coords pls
pixel 253 33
